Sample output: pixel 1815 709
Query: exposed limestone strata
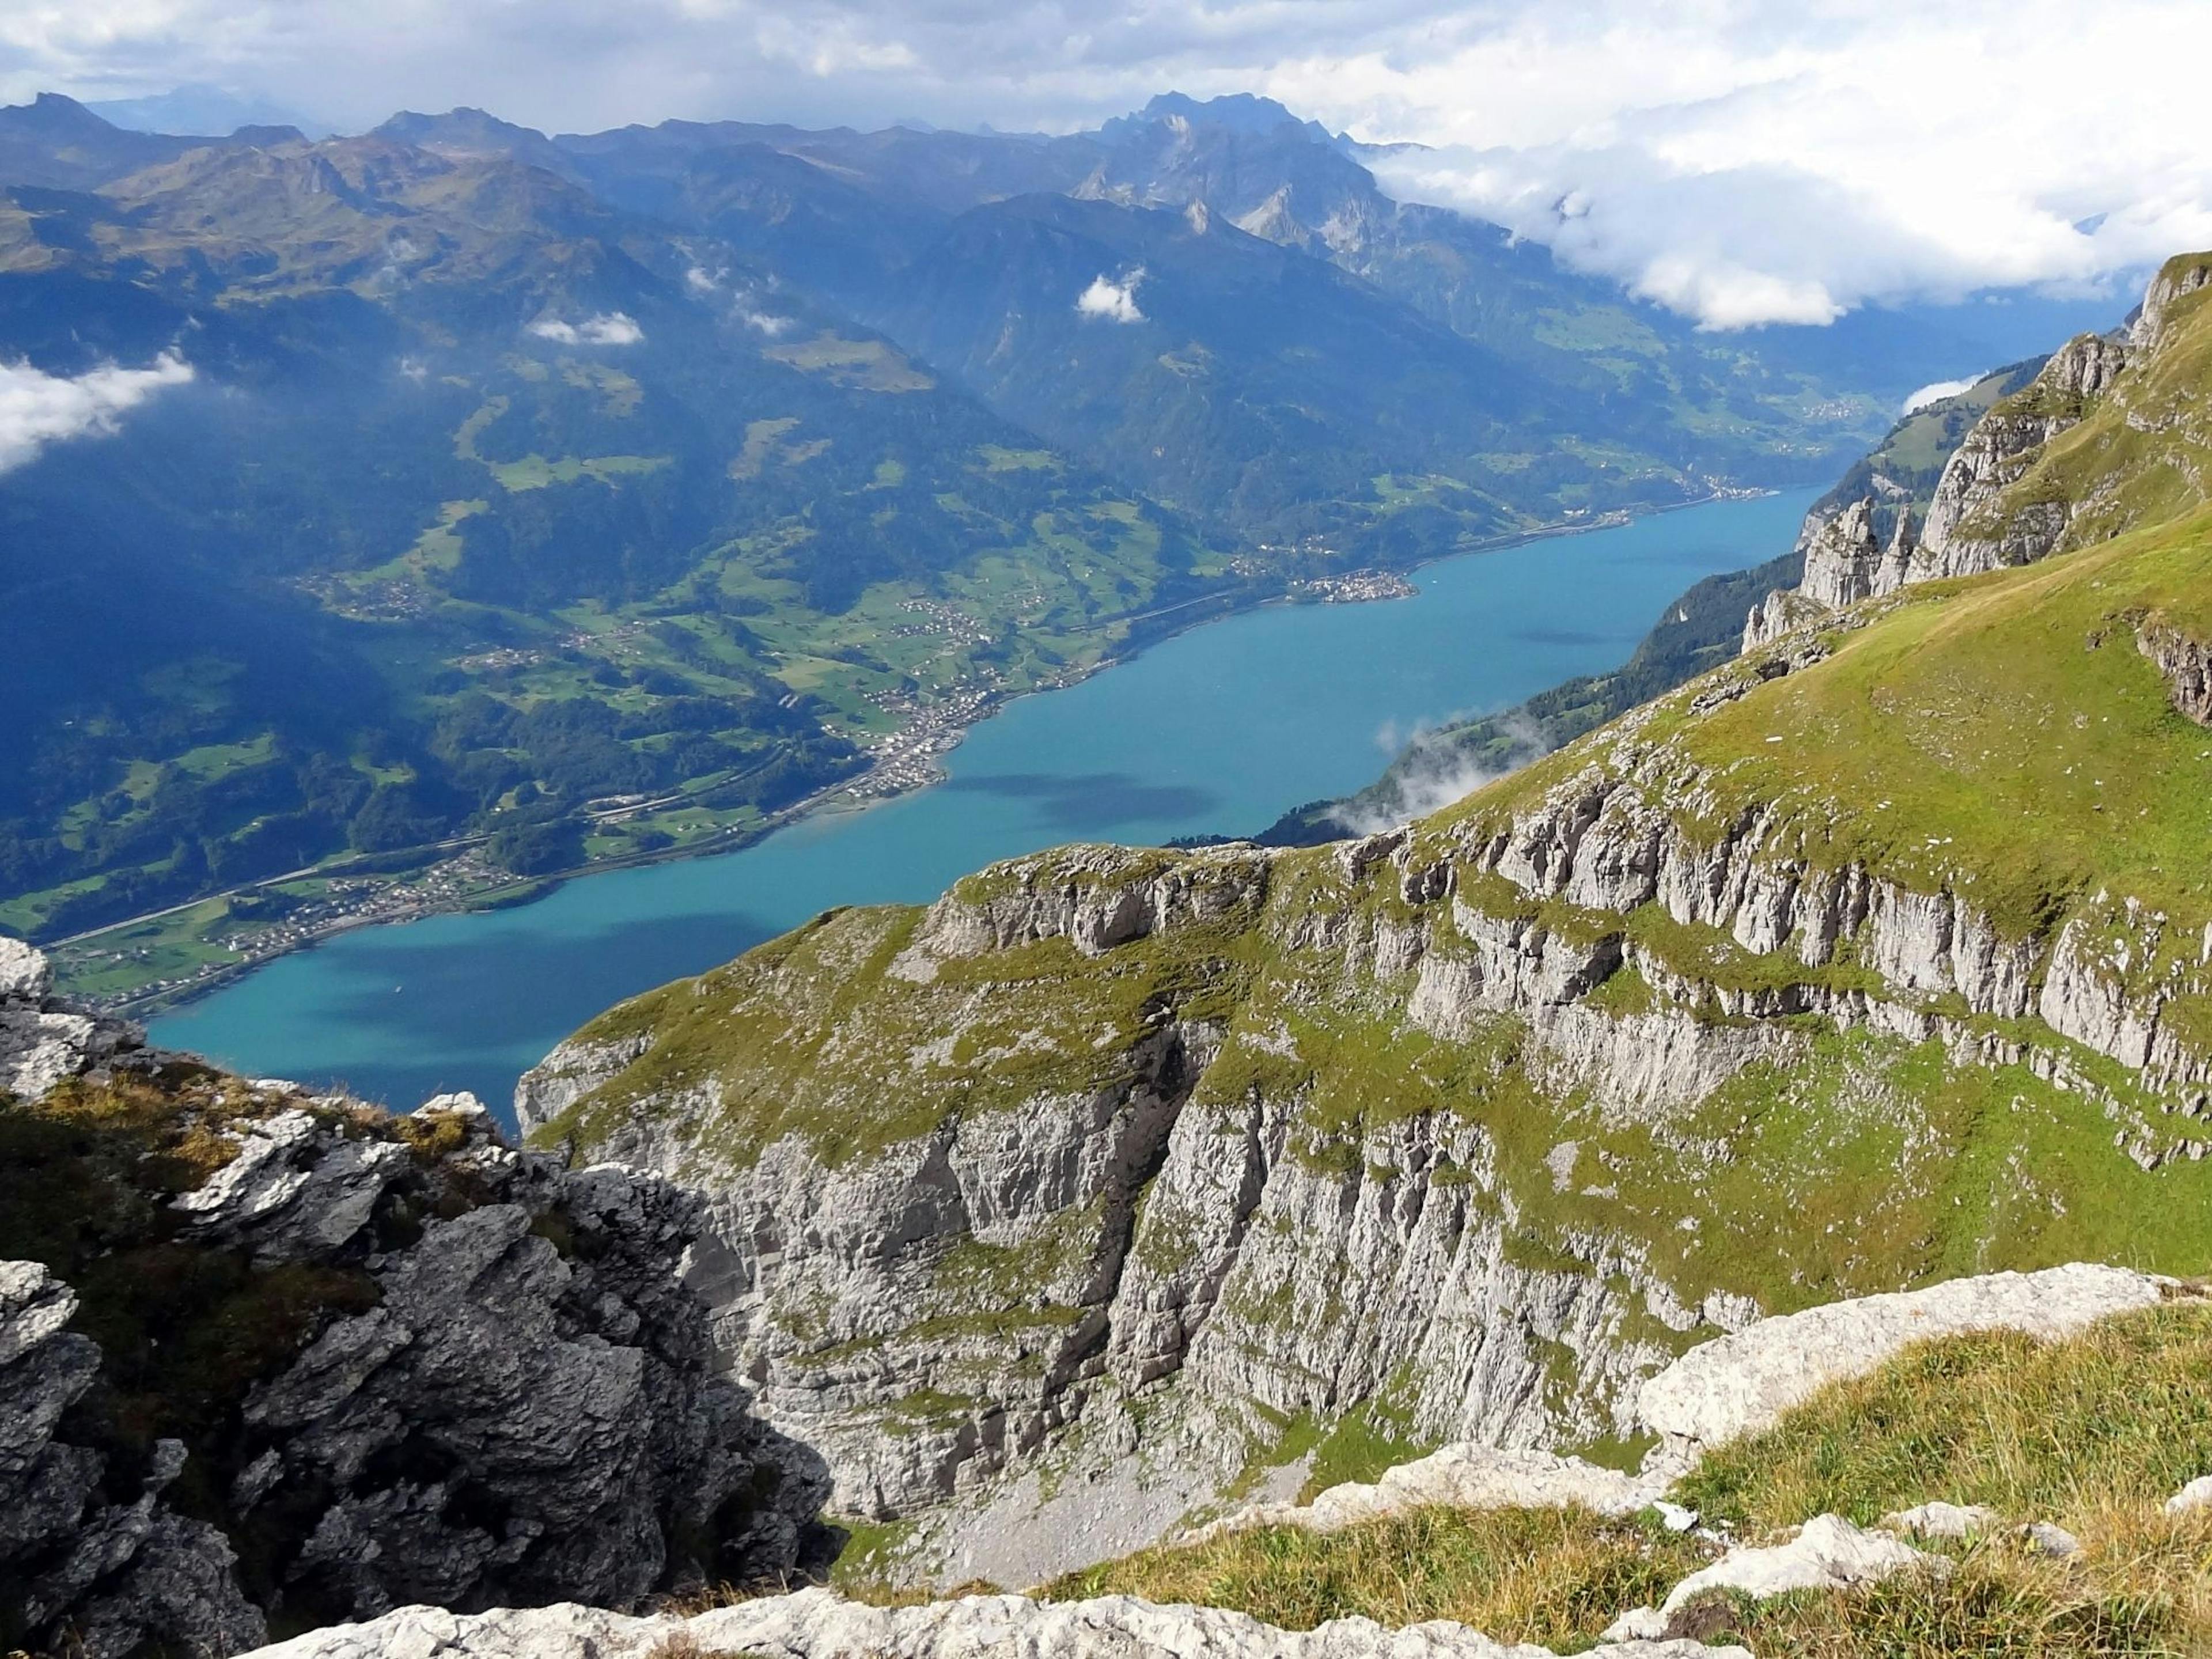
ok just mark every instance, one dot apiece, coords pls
pixel 1160 1217
pixel 817 1625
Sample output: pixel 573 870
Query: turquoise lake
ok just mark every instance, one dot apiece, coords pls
pixel 1219 730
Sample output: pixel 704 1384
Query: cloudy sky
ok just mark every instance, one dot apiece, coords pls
pixel 1744 161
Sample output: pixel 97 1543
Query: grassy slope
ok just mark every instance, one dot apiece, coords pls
pixel 1699 631
pixel 2092 1433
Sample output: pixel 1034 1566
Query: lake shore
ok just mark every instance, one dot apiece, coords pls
pixel 904 762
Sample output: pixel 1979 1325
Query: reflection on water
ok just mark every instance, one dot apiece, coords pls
pixel 1094 801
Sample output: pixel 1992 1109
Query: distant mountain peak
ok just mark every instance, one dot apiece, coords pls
pixel 53 114
pixel 1240 112
pixel 459 125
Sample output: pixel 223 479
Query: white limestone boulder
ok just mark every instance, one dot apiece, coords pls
pixel 1739 1384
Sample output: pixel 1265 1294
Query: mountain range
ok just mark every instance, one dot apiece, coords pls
pixel 1741 1176
pixel 542 501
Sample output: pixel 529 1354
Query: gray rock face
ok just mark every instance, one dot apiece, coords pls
pixel 118 1575
pixel 526 1412
pixel 1845 562
pixel 1964 536
pixel 2179 278
pixel 817 1625
pixel 2186 662
pixel 43 1039
pixel 981 1326
pixel 501 1391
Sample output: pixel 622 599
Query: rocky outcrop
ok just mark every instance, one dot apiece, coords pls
pixel 525 1414
pixel 44 1039
pixel 2177 279
pixel 1172 1262
pixel 2186 662
pixel 817 1625
pixel 1464 1477
pixel 436 1368
pixel 1976 520
pixel 1969 529
pixel 1742 1382
pixel 1845 561
pixel 117 1573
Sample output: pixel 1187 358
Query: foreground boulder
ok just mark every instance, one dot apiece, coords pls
pixel 1740 1383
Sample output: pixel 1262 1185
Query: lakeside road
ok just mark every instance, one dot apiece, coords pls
pixel 1216 730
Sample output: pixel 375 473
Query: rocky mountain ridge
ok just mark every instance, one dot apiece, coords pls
pixel 274 1360
pixel 2013 492
pixel 1720 1393
pixel 1120 1179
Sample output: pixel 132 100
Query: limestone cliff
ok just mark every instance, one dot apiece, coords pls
pixel 269 1359
pixel 1118 1180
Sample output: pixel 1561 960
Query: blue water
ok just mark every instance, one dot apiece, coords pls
pixel 1219 730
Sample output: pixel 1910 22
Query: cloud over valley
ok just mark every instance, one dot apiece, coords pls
pixel 38 409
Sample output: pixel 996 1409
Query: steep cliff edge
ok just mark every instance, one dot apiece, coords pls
pixel 2110 434
pixel 1118 1182
pixel 269 1359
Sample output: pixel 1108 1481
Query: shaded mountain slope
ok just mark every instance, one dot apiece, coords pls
pixel 473 491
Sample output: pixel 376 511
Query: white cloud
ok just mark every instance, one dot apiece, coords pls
pixel 699 280
pixel 1112 302
pixel 1427 775
pixel 609 328
pixel 1749 162
pixel 38 409
pixel 1935 393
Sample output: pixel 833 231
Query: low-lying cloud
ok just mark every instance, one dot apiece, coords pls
pixel 1935 392
pixel 1434 766
pixel 609 328
pixel 744 305
pixel 38 409
pixel 1112 301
